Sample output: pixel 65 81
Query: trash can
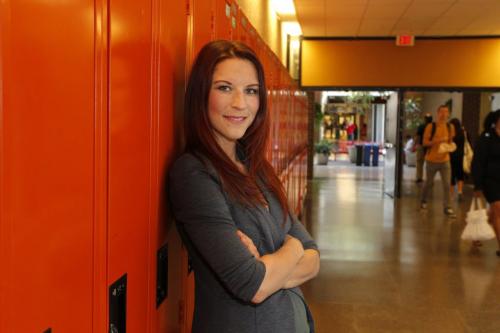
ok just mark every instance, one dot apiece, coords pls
pixel 375 155
pixel 352 153
pixel 367 151
pixel 359 155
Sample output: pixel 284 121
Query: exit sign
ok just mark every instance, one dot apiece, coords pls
pixel 405 40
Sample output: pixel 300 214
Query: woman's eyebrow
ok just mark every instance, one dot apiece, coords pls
pixel 222 81
pixel 252 84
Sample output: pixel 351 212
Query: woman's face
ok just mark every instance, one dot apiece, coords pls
pixel 233 100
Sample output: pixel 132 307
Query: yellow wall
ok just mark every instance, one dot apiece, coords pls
pixel 265 20
pixel 380 63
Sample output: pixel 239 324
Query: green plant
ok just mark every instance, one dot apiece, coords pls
pixel 318 115
pixel 413 112
pixel 360 101
pixel 323 147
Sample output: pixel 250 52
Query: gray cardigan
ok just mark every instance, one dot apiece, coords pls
pixel 227 276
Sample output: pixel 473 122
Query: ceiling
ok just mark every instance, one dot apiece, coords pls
pixel 357 18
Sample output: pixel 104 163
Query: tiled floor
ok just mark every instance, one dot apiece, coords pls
pixel 387 267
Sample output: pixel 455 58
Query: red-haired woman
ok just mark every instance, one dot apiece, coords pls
pixel 249 254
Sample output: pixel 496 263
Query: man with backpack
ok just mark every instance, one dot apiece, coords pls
pixel 437 160
pixel 420 147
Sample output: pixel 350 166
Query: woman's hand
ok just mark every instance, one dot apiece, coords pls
pixel 247 241
pixel 295 243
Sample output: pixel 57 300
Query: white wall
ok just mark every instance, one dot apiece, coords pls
pixel 432 100
pixel 391 118
pixel 495 103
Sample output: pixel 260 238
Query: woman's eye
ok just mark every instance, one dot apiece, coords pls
pixel 252 91
pixel 224 88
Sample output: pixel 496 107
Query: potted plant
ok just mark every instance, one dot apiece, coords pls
pixel 323 150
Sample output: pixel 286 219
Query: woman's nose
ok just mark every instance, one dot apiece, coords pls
pixel 239 101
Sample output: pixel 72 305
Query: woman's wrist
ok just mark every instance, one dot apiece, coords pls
pixel 295 245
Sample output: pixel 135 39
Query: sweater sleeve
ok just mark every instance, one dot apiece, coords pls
pixel 480 162
pixel 200 208
pixel 298 231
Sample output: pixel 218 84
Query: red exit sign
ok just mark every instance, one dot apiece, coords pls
pixel 405 40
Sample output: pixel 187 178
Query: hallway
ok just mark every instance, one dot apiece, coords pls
pixel 387 267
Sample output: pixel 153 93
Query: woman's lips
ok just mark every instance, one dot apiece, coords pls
pixel 235 119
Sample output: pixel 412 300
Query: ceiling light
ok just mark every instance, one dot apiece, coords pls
pixel 291 28
pixel 283 7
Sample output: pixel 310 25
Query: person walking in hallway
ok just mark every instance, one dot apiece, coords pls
pixel 437 159
pixel 250 254
pixel 420 147
pixel 457 159
pixel 486 169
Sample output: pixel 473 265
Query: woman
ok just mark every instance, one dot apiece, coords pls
pixel 456 159
pixel 486 169
pixel 249 254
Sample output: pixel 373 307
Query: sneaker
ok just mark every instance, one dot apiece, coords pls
pixel 450 213
pixel 423 205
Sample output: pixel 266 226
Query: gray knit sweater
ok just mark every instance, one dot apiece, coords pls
pixel 227 276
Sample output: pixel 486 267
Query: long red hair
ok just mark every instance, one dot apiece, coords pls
pixel 200 138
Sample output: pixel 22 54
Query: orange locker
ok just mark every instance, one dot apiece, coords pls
pixel 47 166
pixel 224 19
pixel 88 129
pixel 169 68
pixel 203 17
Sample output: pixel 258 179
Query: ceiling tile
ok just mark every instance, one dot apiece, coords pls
pixel 344 11
pixel 376 27
pixel 316 12
pixel 482 26
pixel 305 3
pixel 312 27
pixel 426 10
pixel 478 2
pixel 463 11
pixel 434 2
pixel 445 27
pixel 419 17
pixel 344 27
pixel 408 23
pixel 378 11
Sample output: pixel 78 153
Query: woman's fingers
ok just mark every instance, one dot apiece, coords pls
pixel 247 241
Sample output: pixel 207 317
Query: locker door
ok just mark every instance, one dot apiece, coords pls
pixel 223 21
pixel 203 23
pixel 130 131
pixel 168 94
pixel 47 133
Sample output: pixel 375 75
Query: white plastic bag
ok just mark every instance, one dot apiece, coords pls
pixel 447 147
pixel 468 155
pixel 477 228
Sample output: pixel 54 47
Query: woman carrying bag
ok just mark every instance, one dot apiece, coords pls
pixel 486 169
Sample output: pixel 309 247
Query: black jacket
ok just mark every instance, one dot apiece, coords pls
pixel 486 161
